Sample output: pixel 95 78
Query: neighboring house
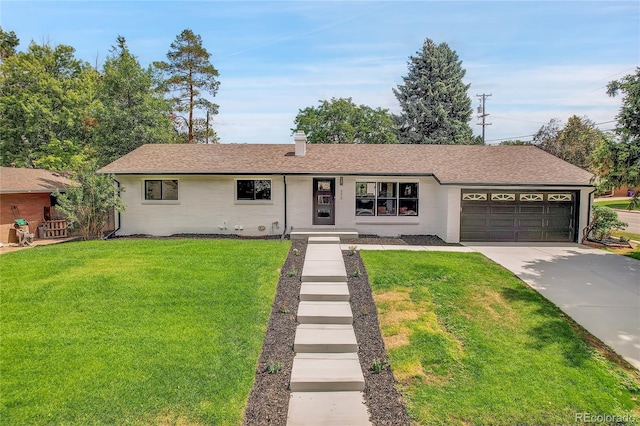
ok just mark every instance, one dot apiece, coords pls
pixel 624 191
pixel 459 193
pixel 27 194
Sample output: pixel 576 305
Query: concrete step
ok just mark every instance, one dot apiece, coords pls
pixel 311 312
pixel 323 240
pixel 324 270
pixel 327 409
pixel 324 291
pixel 325 338
pixel 324 372
pixel 304 233
pixel 323 252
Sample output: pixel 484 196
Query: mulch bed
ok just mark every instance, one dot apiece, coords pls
pixel 269 399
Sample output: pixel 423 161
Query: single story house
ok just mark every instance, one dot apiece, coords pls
pixel 28 194
pixel 459 193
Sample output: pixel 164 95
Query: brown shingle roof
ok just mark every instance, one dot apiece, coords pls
pixel 14 180
pixel 450 164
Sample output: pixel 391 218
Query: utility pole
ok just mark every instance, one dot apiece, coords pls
pixel 482 114
pixel 207 129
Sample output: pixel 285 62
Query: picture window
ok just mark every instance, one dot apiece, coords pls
pixel 386 199
pixel 253 190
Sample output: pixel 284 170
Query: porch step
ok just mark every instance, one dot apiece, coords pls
pixel 325 372
pixel 322 338
pixel 324 291
pixel 327 409
pixel 304 233
pixel 324 313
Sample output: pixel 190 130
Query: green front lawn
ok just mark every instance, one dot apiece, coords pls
pixel 614 204
pixel 134 331
pixel 471 344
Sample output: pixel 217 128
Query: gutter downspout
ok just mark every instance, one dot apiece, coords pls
pixel 584 237
pixel 284 232
pixel 110 234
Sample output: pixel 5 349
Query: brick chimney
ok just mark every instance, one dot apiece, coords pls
pixel 301 143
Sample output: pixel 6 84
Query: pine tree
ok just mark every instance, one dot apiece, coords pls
pixel 436 108
pixel 189 76
pixel 133 113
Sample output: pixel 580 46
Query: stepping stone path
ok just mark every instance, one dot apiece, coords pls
pixel 326 378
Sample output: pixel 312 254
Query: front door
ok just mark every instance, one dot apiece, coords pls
pixel 324 201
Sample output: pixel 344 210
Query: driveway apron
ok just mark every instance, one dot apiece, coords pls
pixel 599 290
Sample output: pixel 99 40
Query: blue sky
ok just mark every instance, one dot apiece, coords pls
pixel 539 59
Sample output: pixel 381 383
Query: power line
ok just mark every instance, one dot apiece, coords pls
pixel 527 136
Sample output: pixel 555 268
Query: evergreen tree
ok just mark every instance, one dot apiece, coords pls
pixel 436 108
pixel 8 43
pixel 132 113
pixel 190 75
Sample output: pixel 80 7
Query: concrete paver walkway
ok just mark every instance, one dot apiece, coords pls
pixel 326 378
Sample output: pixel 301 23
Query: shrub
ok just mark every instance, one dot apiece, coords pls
pixel 603 221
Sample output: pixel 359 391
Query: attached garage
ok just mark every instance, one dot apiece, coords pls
pixel 519 216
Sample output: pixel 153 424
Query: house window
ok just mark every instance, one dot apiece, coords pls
pixel 251 190
pixel 161 189
pixel 386 199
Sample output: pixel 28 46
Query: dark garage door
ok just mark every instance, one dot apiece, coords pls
pixel 518 216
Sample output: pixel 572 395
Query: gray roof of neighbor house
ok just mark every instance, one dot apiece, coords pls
pixel 14 180
pixel 450 164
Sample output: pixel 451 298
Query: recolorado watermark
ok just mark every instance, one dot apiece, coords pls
pixel 606 418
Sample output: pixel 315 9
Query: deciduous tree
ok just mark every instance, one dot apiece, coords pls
pixel 87 204
pixel 618 160
pixel 189 76
pixel 436 108
pixel 47 101
pixel 575 142
pixel 342 121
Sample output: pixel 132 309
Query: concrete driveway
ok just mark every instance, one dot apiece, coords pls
pixel 599 290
